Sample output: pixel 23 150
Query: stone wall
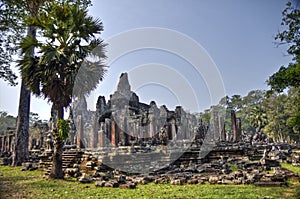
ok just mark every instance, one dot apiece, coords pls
pixel 124 121
pixel 7 142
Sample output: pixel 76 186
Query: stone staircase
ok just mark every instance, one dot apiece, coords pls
pixel 69 158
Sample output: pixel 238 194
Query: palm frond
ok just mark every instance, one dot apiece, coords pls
pixel 60 66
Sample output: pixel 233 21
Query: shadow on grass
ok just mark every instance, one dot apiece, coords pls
pixel 9 186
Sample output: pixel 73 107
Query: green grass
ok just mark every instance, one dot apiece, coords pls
pixel 31 184
pixel 293 183
pixel 234 167
pixel 290 167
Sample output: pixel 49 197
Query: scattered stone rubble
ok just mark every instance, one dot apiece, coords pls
pixel 123 138
pixel 223 165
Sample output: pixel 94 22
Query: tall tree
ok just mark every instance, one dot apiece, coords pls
pixel 12 30
pixel 293 110
pixel 236 102
pixel 68 39
pixel 289 76
pixel 20 152
pixel 275 109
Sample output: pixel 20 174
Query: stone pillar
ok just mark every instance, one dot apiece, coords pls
pixel 113 133
pixel 145 132
pixel 130 130
pixel 79 140
pixel 151 126
pixel 6 143
pixel 94 133
pixel 155 127
pixel 122 132
pixel 222 136
pixel 223 133
pixel 173 130
pixel 41 140
pixel 101 136
pixel 234 126
pixel 126 131
pixel 184 127
pixel 168 132
pixel 1 143
pixel 13 142
pixel 238 129
pixel 107 132
pixel 138 131
pixel 9 149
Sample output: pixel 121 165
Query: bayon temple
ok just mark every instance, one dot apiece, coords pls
pixel 124 135
pixel 125 121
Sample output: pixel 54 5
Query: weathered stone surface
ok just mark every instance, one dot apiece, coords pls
pixel 179 181
pixel 29 166
pixel 72 172
pixel 213 179
pixel 128 186
pixel 100 183
pixel 121 179
pixel 112 184
pixel 85 178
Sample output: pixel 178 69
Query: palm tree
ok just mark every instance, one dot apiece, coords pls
pixel 69 37
pixel 258 118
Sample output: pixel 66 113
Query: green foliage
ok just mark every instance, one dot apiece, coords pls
pixel 11 30
pixel 6 121
pixel 294 110
pixel 234 167
pixel 205 117
pixel 68 36
pixel 288 76
pixel 258 117
pixel 276 107
pixel 294 121
pixel 63 129
pixel 277 115
pixel 36 125
pixel 291 20
pixel 236 102
pixel 243 106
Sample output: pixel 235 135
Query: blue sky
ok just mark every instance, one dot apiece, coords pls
pixel 238 35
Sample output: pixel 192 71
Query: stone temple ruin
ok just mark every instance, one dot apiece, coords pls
pixel 124 126
pixel 125 121
pixel 125 135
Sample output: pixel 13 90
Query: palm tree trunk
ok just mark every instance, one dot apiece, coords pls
pixel 20 152
pixel 56 170
pixel 60 113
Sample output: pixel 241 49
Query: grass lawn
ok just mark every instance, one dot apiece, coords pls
pixel 31 184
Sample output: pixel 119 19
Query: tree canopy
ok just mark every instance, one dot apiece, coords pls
pixel 13 29
pixel 288 76
pixel 66 38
